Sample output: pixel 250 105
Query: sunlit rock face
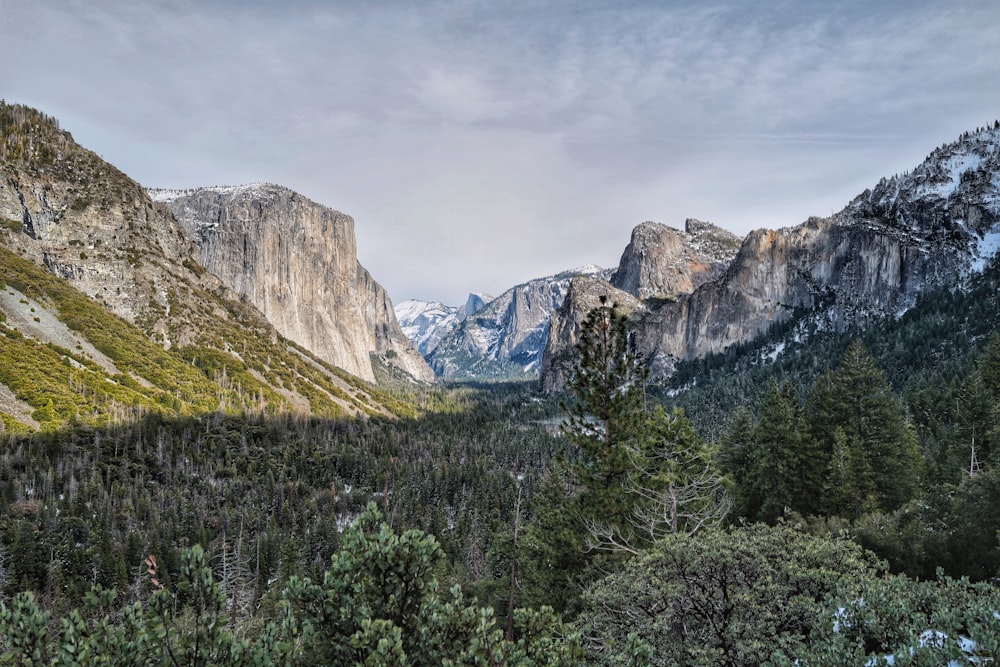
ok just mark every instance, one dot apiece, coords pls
pixel 925 229
pixel 296 261
pixel 661 261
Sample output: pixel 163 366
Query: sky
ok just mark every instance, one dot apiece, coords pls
pixel 480 144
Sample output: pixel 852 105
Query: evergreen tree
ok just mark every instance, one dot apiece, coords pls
pixel 675 483
pixel 858 400
pixel 644 473
pixel 850 490
pixel 788 468
pixel 606 419
pixel 737 452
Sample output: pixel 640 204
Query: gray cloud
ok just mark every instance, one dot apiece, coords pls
pixel 480 144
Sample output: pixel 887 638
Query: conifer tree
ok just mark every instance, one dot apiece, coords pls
pixel 737 450
pixel 644 473
pixel 788 469
pixel 858 400
pixel 608 382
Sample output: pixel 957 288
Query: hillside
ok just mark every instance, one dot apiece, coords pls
pixel 121 317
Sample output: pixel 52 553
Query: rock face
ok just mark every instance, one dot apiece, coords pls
pixel 875 258
pixel 91 224
pixel 296 261
pixel 65 211
pixel 504 340
pixel 663 262
pixel 425 323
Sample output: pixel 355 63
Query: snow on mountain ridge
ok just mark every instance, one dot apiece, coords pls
pixel 167 195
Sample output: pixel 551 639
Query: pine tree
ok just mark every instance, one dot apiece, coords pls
pixel 787 467
pixel 644 473
pixel 858 400
pixel 737 450
pixel 605 422
pixel 850 490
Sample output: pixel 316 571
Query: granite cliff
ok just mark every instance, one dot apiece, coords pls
pixel 108 311
pixel 663 262
pixel 926 228
pixel 296 261
pixel 659 265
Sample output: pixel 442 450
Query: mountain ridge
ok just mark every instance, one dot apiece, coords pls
pixel 925 229
pixel 107 310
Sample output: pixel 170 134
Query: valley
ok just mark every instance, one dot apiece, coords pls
pixel 217 428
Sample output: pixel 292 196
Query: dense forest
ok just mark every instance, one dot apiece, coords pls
pixel 831 504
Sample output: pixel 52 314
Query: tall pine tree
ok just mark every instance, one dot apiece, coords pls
pixel 858 401
pixel 606 419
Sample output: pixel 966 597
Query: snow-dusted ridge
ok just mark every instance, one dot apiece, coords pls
pixel 166 195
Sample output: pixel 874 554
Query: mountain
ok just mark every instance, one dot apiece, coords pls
pixel 425 323
pixel 296 261
pixel 107 311
pixel 663 262
pixel 507 338
pixel 659 265
pixel 504 339
pixel 909 234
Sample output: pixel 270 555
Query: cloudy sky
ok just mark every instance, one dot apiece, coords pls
pixel 479 144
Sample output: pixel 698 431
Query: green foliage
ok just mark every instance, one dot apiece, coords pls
pixel 854 414
pixel 925 349
pixel 784 469
pixel 207 376
pixel 95 500
pixel 847 451
pixel 379 604
pixel 608 382
pixel 897 621
pixel 738 597
pixel 643 472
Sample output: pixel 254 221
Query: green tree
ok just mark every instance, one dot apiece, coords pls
pixel 644 472
pixel 379 604
pixel 605 421
pixel 555 562
pixel 737 460
pixel 787 472
pixel 850 490
pixel 674 480
pixel 857 400
pixel 737 597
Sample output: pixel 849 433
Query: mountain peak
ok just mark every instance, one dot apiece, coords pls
pixel 664 262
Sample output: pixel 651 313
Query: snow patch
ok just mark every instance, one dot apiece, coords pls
pixel 986 248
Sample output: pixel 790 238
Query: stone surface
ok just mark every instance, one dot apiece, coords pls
pixel 875 258
pixel 89 223
pixel 505 338
pixel 296 261
pixel 664 262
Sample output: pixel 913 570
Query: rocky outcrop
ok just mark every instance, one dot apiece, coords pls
pixel 91 224
pixel 69 213
pixel 386 337
pixel 663 262
pixel 296 261
pixel 875 258
pixel 504 340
